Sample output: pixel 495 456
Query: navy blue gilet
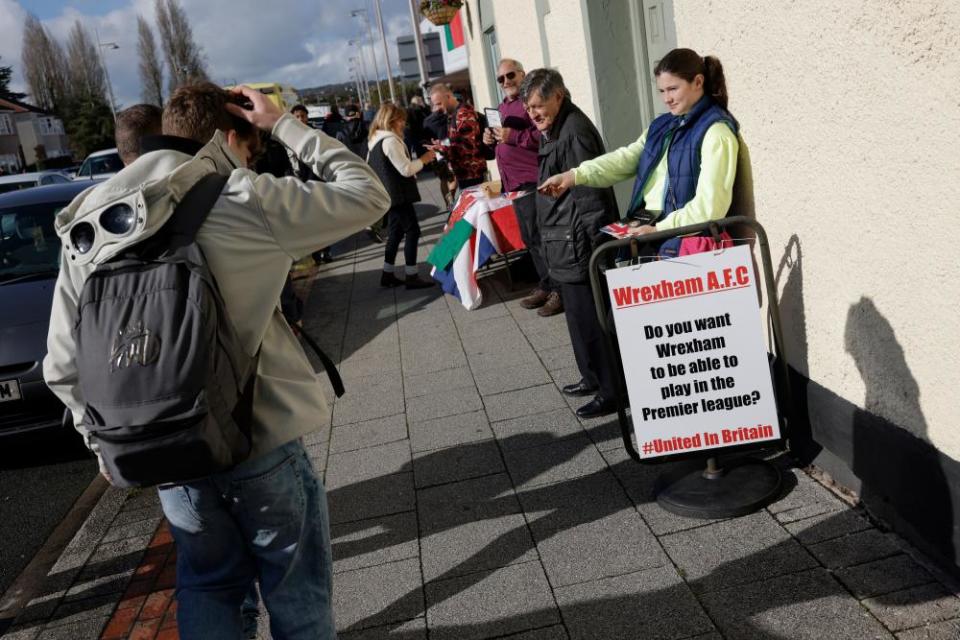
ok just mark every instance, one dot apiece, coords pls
pixel 684 134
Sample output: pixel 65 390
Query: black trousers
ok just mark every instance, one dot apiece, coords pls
pixel 526 208
pixel 402 225
pixel 472 182
pixel 596 365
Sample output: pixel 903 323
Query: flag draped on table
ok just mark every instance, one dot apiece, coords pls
pixel 477 229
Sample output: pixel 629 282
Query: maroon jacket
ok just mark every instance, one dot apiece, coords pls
pixel 517 155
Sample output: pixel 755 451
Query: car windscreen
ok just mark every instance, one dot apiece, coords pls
pixel 16 186
pixel 28 244
pixel 106 164
pixel 100 164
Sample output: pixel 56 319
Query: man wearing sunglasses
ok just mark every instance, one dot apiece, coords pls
pixel 517 143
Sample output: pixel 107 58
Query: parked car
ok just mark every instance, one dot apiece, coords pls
pixel 29 264
pixel 100 164
pixel 19 181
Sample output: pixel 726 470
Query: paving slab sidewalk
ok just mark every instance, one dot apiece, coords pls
pixel 468 501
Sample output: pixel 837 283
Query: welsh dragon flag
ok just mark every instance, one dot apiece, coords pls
pixel 477 229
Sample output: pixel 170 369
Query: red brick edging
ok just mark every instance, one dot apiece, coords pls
pixel 148 610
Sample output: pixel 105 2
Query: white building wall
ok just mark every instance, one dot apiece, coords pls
pixel 852 114
pixel 561 43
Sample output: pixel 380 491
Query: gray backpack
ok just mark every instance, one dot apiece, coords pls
pixel 167 385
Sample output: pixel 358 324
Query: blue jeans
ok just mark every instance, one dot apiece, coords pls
pixel 263 520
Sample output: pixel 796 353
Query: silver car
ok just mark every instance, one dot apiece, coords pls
pixel 29 264
pixel 19 181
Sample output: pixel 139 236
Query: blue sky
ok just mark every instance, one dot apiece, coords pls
pixel 47 9
pixel 299 42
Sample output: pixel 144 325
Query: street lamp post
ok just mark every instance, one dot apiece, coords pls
pixel 103 65
pixel 363 67
pixel 361 72
pixel 386 52
pixel 373 51
pixel 355 76
pixel 418 43
pixel 356 87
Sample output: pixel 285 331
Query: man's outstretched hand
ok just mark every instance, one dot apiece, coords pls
pixel 263 115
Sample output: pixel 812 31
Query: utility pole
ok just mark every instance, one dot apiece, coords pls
pixel 103 65
pixel 418 43
pixel 386 52
pixel 362 68
pixel 355 76
pixel 373 51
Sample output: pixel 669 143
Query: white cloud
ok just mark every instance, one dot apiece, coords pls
pixel 11 40
pixel 290 41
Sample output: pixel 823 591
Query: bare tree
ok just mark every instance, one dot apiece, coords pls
pixel 44 65
pixel 85 74
pixel 151 69
pixel 184 56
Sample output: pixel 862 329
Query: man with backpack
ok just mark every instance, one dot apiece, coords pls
pixel 178 371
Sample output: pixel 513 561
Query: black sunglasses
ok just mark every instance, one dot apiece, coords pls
pixel 510 75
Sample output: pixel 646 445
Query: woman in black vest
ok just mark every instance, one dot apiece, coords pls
pixel 390 159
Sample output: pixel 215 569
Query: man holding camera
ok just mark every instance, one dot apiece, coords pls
pixel 266 518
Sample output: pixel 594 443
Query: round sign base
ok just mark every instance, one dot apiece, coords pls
pixel 739 489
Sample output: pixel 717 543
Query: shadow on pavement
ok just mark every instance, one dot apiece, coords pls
pixel 733 591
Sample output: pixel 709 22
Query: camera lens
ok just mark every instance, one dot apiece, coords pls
pixel 118 219
pixel 82 237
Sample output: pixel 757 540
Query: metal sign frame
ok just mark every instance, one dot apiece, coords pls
pixel 603 258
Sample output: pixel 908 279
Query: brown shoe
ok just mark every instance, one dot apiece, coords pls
pixel 552 306
pixel 536 298
pixel 414 282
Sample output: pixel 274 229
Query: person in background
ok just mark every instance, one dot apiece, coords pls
pixel 358 133
pixel 435 127
pixel 516 145
pixel 413 134
pixel 368 114
pixel 693 181
pixel 390 160
pixel 133 124
pixel 435 124
pixel 463 146
pixel 302 171
pixel 570 229
pixel 334 125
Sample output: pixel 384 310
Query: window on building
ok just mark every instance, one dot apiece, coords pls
pixel 492 49
pixel 6 125
pixel 50 126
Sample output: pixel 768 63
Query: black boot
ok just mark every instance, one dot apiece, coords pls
pixel 387 279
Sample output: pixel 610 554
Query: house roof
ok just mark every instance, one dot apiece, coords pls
pixel 19 107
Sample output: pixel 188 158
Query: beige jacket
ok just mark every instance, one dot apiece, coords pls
pixel 259 226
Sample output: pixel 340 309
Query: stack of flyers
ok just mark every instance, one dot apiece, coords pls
pixel 617 229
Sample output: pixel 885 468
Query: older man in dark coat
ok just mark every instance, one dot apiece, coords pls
pixel 570 229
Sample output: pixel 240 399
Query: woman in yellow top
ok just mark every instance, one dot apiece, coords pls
pixel 685 162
